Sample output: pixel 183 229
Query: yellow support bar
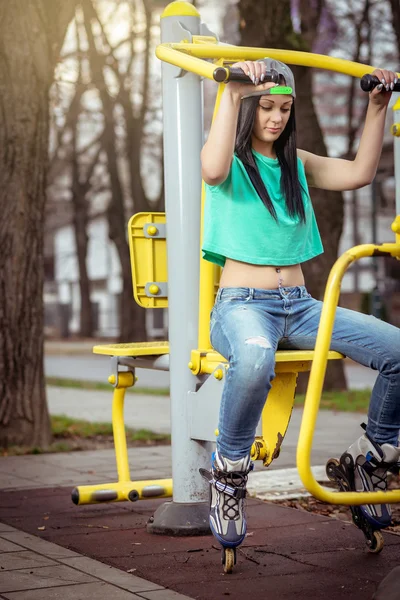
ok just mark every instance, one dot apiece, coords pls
pixel 123 489
pixel 276 414
pixel 316 381
pixel 192 57
pixel 175 57
pixel 207 269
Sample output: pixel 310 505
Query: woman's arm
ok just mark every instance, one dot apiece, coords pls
pixel 217 152
pixel 340 174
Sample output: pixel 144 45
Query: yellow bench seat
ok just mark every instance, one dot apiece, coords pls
pixel 133 349
pixel 157 348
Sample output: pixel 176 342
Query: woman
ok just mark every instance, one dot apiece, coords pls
pixel 260 226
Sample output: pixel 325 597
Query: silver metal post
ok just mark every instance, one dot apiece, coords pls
pixel 187 514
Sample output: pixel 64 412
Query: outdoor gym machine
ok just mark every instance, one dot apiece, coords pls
pixel 196 370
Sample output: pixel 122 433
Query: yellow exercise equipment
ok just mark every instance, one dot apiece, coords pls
pixel 198 54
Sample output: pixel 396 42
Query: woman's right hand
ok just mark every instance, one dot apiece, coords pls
pixel 256 71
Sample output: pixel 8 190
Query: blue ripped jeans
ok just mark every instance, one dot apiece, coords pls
pixel 248 325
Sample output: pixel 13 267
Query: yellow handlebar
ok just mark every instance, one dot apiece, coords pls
pixel 316 381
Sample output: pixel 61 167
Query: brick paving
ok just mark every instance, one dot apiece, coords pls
pixel 288 554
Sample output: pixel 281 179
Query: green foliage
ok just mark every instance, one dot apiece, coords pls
pixel 346 401
pixel 76 434
pixel 65 427
pixel 102 386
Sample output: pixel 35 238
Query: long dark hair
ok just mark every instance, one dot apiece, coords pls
pixel 286 152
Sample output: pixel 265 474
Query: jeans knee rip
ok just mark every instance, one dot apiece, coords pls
pixel 259 341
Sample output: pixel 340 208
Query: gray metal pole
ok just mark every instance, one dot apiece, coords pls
pixel 187 514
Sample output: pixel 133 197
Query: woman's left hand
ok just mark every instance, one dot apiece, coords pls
pixel 381 95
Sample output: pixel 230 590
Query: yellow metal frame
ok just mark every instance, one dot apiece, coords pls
pixel 275 419
pixel 277 411
pixel 194 57
pixel 316 381
pixel 123 489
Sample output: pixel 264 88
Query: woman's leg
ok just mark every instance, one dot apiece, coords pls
pixel 247 335
pixel 368 341
pixel 376 344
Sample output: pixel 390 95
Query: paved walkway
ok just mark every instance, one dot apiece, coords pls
pixel 51 549
pixel 34 569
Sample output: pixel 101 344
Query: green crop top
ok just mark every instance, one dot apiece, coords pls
pixel 237 224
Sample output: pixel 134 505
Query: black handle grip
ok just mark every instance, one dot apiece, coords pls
pixel 225 74
pixel 369 82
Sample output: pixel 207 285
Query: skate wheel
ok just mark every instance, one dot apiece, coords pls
pixel 331 465
pixel 229 559
pixel 375 545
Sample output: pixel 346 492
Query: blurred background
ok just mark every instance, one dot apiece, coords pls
pixel 106 157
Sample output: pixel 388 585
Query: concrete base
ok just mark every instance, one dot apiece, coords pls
pixel 178 518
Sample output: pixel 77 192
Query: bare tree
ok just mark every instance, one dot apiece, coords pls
pixel 80 189
pixel 362 29
pixel 31 36
pixel 82 165
pixel 119 74
pixel 395 9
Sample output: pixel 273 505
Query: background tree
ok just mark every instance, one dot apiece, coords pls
pixel 31 35
pixel 123 151
pixel 395 10
pixel 269 25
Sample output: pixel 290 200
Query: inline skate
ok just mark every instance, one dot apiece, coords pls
pixel 363 468
pixel 228 479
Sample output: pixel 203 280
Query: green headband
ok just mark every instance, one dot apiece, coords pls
pixel 281 89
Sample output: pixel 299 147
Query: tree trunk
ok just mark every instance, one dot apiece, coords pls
pixel 80 204
pixel 80 221
pixel 269 25
pixel 395 6
pixel 31 34
pixel 81 241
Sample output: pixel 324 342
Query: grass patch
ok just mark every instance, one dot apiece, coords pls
pixel 65 427
pixel 76 434
pixel 347 401
pixel 103 386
